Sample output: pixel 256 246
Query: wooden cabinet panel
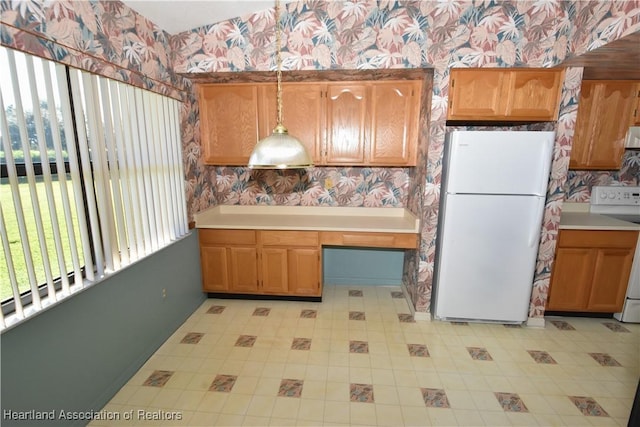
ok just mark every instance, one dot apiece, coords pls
pixel 591 270
pixel 275 277
pixel 304 271
pixel 604 112
pixel 610 281
pixel 573 267
pixel 228 122
pixel 394 122
pixel 476 94
pixel 289 238
pixel 534 95
pixel 346 115
pixel 635 114
pixel 244 269
pixel 229 260
pixel 303 110
pixel 373 240
pixel 215 272
pixel 504 94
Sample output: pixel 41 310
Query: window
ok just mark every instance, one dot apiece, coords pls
pixel 91 180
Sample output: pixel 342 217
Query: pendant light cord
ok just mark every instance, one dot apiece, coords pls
pixel 278 65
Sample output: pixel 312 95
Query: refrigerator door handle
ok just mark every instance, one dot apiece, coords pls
pixel 535 227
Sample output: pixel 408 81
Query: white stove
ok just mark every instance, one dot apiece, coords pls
pixel 622 203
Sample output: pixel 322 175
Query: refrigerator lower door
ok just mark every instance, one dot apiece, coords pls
pixel 486 257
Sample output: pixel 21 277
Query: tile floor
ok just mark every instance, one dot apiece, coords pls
pixel 358 358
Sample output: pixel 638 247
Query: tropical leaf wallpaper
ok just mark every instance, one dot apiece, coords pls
pixel 108 38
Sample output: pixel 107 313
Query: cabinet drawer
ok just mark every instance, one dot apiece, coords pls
pixel 597 239
pixel 289 238
pixel 227 237
pixel 374 240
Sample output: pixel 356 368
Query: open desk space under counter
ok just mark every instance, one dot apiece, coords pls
pixel 276 251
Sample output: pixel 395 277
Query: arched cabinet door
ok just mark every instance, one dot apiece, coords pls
pixel 346 123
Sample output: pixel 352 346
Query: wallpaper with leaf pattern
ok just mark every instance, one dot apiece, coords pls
pixel 108 38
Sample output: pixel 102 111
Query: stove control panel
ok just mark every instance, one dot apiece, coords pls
pixel 609 195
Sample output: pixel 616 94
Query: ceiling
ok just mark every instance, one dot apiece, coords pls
pixel 176 16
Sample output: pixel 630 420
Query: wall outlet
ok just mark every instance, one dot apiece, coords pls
pixel 164 293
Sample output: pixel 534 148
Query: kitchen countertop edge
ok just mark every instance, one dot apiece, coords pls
pixel 591 221
pixel 309 218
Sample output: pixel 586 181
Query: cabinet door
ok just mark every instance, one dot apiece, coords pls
pixel 571 279
pixel 346 123
pixel 303 110
pixel 476 94
pixel 585 125
pixel 228 122
pixel 635 114
pixel 604 112
pixel 244 269
pixel 275 278
pixel 215 272
pixel 610 279
pixel 394 123
pixel 304 271
pixel 534 95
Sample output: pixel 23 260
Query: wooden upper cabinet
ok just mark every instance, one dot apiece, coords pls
pixel 394 122
pixel 341 123
pixel 228 122
pixel 604 112
pixel 476 94
pixel 501 94
pixel 534 94
pixel 346 123
pixel 635 114
pixel 303 113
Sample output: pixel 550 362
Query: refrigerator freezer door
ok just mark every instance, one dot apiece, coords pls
pixel 487 256
pixel 499 162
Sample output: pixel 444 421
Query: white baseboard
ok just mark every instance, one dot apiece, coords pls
pixel 535 322
pixel 417 315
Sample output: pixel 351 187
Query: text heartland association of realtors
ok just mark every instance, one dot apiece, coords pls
pixel 139 414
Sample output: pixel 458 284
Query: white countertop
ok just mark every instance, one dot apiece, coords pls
pixel 381 220
pixel 576 216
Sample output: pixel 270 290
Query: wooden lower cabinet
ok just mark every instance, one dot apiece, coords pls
pixel 260 262
pixel 229 260
pixel 591 270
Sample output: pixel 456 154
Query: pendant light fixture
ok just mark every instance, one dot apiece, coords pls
pixel 279 150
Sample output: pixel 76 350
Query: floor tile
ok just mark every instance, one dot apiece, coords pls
pixel 357 315
pixel 588 406
pixel 358 347
pixel 361 393
pixel 615 327
pixel 541 357
pixel 511 402
pixel 158 378
pixel 223 383
pixel 478 353
pixel 246 341
pixel 309 314
pixel 261 311
pixel 290 388
pixel 604 359
pixel 562 325
pixel 301 344
pixel 435 398
pixel 192 338
pixel 418 350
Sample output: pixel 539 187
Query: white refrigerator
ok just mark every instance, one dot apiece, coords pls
pixel 492 203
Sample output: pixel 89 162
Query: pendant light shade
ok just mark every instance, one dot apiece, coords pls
pixel 279 150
